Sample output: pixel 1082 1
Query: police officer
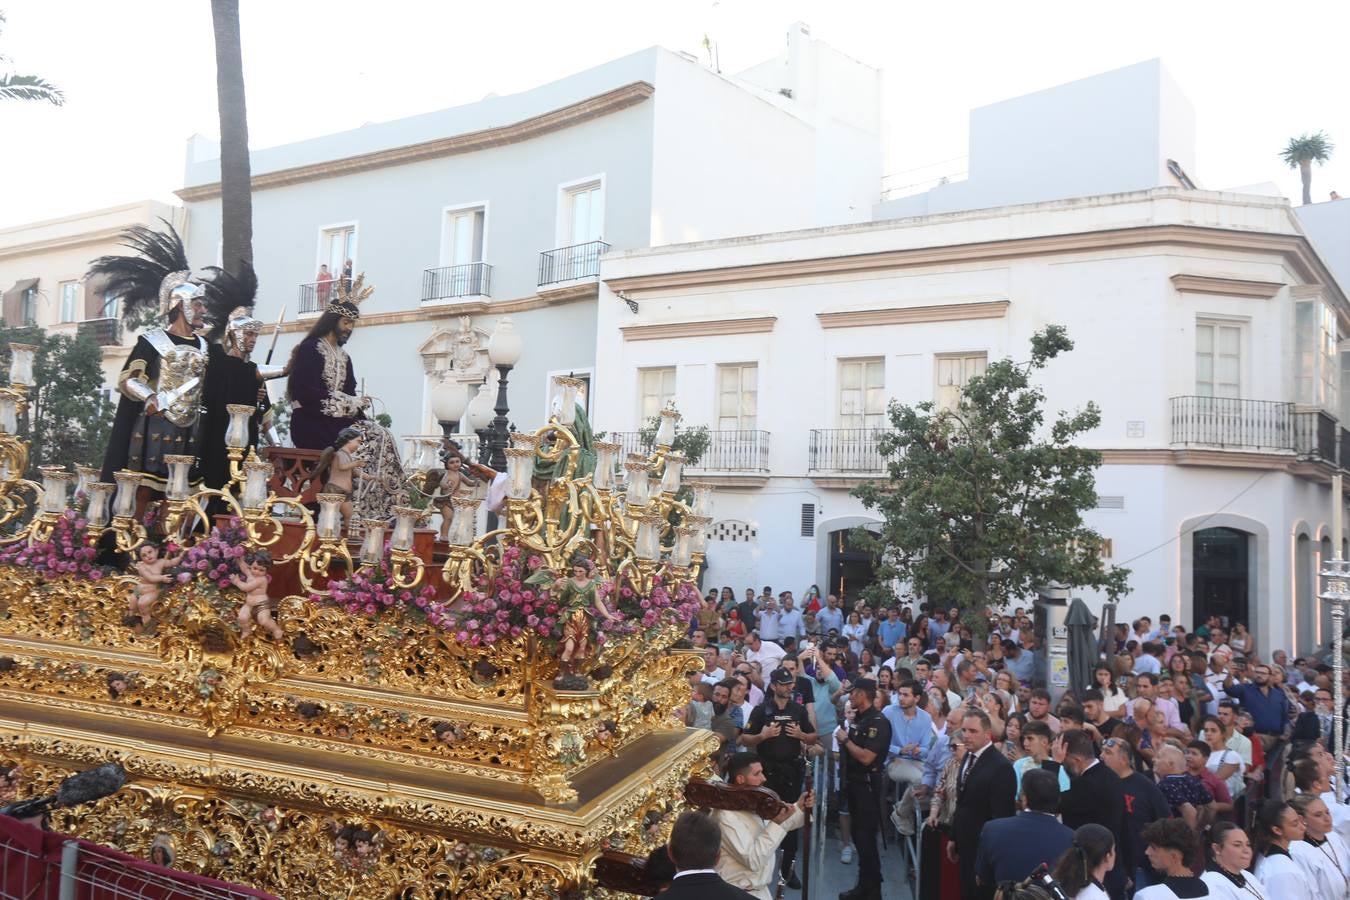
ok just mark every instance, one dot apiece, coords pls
pixel 862 753
pixel 778 728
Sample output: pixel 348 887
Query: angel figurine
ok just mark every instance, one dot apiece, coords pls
pixel 579 597
pixel 253 580
pixel 151 577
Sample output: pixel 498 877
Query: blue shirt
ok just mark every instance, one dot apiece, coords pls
pixel 830 618
pixel 827 715
pixel 891 633
pixel 936 758
pixel 936 630
pixel 1270 712
pixel 918 730
pixel 1021 766
pixel 1023 668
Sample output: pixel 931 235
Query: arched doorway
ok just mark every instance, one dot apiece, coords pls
pixel 1304 610
pixel 850 568
pixel 1220 573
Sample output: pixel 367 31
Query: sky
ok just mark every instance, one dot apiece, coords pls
pixel 139 75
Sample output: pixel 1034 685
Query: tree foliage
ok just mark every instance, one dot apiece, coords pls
pixel 983 504
pixel 69 418
pixel 14 86
pixel 1301 152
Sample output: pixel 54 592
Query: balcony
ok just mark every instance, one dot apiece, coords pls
pixel 103 332
pixel 1233 424
pixel 314 297
pixel 1345 449
pixel 567 264
pixel 449 282
pixel 733 452
pixel 845 451
pixel 1315 436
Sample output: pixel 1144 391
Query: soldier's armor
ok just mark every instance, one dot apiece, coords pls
pixel 178 364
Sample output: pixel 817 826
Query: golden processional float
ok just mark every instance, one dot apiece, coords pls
pixel 412 734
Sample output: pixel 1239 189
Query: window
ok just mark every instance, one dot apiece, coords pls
pixel 584 210
pixel 463 236
pixel 862 393
pixel 954 371
pixel 337 245
pixel 737 401
pixel 1317 370
pixel 112 306
pixel 1218 359
pixel 68 292
pixel 28 306
pixel 656 388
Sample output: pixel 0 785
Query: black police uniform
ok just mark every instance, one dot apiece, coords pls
pixel 784 766
pixel 870 731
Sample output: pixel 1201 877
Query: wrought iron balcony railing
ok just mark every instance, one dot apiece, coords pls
pixel 315 296
pixel 467 280
pixel 744 450
pixel 104 332
pixel 1315 435
pixel 571 263
pixel 1232 424
pixel 846 450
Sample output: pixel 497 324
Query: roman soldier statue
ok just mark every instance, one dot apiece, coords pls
pixel 322 388
pixel 159 412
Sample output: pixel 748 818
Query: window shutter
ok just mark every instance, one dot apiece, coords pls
pixel 808 520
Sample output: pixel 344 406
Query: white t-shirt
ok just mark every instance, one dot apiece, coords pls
pixel 1114 700
pixel 1224 757
pixel 1156 892
pixel 1223 889
pixel 1091 892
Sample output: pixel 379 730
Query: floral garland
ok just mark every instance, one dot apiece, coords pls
pixel 370 591
pixel 65 553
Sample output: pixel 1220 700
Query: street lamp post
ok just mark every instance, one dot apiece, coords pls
pixel 504 347
pixel 448 401
pixel 1336 591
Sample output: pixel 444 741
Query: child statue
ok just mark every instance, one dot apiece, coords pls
pixel 253 580
pixel 338 465
pixel 149 568
pixel 579 597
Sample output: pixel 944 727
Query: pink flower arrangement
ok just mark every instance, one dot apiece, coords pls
pixel 370 591
pixel 65 554
pixel 504 609
pixel 667 600
pixel 214 559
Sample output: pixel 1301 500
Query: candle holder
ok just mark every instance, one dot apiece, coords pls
pixel 567 390
pixel 637 489
pixel 606 455
pixel 1336 575
pixel 21 364
pixel 665 429
pixel 372 546
pixel 521 441
pixel 701 504
pixel 648 543
pixel 405 567
pixel 9 411
pixel 236 432
pixel 177 492
pixel 98 513
pixel 464 520
pixel 670 475
pixel 84 476
pixel 683 554
pixel 255 492
pixel 129 532
pixel 329 525
pixel 55 490
pixel 519 472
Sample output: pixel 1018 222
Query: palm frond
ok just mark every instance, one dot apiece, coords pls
pixel 1315 147
pixel 30 87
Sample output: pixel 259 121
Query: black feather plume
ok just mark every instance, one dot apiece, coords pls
pixel 225 292
pixel 137 279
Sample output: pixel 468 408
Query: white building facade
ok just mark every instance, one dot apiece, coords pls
pixel 1206 328
pixel 505 206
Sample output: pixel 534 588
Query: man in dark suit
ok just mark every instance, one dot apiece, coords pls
pixel 695 842
pixel 985 788
pixel 1011 849
pixel 1094 798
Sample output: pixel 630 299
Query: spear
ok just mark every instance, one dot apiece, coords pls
pixel 276 332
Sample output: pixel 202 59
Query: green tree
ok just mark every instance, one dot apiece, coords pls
pixel 1304 150
pixel 14 86
pixel 69 419
pixel 982 504
pixel 236 188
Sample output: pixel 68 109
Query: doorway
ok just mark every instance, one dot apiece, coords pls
pixel 851 569
pixel 1220 574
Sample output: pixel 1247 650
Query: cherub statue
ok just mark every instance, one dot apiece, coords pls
pixel 149 567
pixel 579 597
pixel 338 465
pixel 459 478
pixel 257 606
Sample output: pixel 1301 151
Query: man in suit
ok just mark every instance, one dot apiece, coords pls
pixel 1094 797
pixel 1011 849
pixel 985 785
pixel 695 843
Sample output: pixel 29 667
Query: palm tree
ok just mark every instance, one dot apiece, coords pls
pixel 27 87
pixel 1302 152
pixel 236 189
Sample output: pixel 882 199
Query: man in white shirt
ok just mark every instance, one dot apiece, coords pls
pixel 750 843
pixel 768 621
pixel 1149 660
pixel 712 669
pixel 790 622
pixel 1147 685
pixel 767 653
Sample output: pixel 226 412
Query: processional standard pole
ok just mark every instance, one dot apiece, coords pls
pixel 1336 573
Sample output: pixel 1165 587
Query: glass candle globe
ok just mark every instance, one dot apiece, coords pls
pixel 372 548
pixel 236 433
pixel 256 475
pixel 405 524
pixel 519 472
pixel 124 504
pixel 179 466
pixel 670 475
pixel 100 499
pixel 638 490
pixel 605 455
pixel 329 525
pixel 55 487
pixel 464 519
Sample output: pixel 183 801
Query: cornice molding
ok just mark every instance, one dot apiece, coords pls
pixel 64 242
pixel 1295 249
pixel 1223 459
pixel 702 328
pixel 475 307
pixel 906 315
pixel 554 120
pixel 1226 287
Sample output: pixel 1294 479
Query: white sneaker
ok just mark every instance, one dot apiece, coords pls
pixel 846 855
